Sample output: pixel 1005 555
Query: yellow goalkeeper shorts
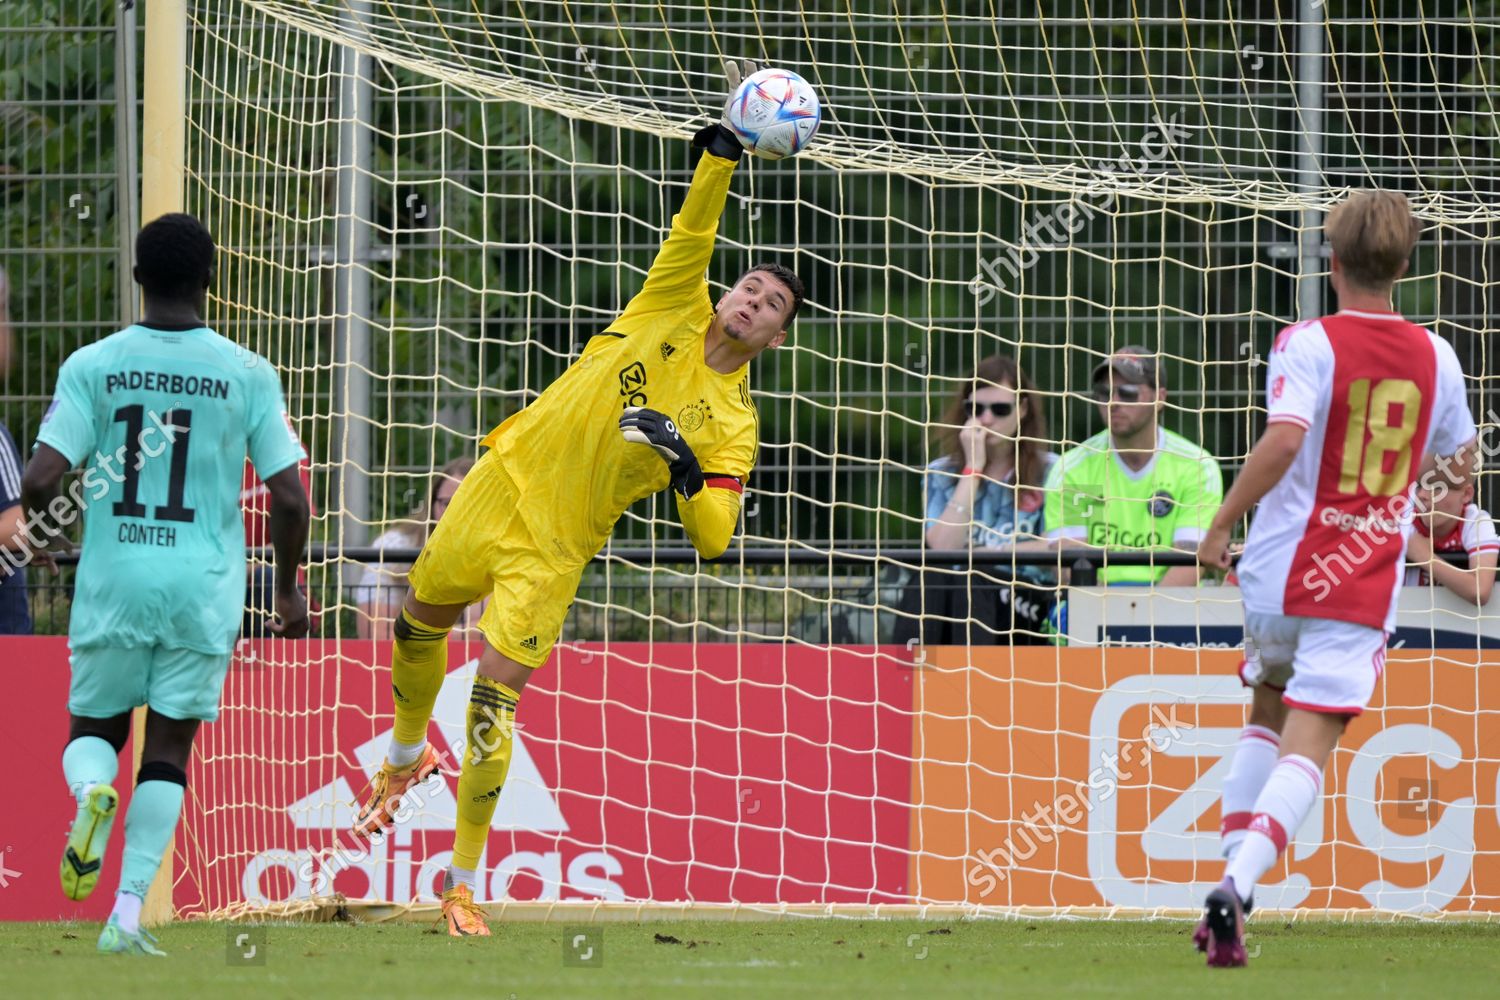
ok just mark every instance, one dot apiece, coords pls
pixel 482 545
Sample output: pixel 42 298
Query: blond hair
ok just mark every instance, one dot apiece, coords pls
pixel 1372 233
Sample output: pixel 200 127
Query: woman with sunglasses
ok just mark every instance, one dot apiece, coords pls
pixel 986 492
pixel 987 487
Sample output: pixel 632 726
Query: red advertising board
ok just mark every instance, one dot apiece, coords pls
pixel 34 825
pixel 758 773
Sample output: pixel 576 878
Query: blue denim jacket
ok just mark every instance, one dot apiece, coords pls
pixel 996 516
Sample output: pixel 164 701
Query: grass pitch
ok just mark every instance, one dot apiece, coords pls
pixel 805 957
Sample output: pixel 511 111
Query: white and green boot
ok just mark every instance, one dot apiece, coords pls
pixel 115 940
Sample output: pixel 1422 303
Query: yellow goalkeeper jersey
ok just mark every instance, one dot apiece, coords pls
pixel 574 470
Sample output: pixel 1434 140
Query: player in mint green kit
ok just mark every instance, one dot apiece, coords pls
pixel 160 417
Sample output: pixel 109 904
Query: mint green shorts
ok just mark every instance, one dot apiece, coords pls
pixel 177 683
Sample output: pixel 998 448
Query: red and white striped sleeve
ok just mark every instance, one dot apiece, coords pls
pixel 1479 532
pixel 1452 422
pixel 1298 376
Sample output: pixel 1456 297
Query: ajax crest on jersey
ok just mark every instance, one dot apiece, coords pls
pixel 774 113
pixel 691 416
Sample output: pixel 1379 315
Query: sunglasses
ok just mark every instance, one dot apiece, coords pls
pixel 1103 392
pixel 997 410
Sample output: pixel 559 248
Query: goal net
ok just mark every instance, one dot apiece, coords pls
pixel 427 207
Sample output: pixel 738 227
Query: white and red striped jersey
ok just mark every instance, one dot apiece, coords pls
pixel 1472 535
pixel 1375 394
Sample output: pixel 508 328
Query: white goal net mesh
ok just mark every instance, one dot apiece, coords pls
pixel 426 209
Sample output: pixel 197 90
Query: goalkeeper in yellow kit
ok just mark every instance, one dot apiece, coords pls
pixel 661 397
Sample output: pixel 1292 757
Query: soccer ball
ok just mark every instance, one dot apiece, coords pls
pixel 774 113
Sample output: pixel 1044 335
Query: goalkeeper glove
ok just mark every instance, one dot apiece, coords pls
pixel 651 427
pixel 719 139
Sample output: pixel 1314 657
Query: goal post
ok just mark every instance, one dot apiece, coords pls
pixel 163 185
pixel 753 733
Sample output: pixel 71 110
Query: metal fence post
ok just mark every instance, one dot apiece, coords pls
pixel 352 288
pixel 127 160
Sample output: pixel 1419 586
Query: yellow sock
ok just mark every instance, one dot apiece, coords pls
pixel 491 725
pixel 418 666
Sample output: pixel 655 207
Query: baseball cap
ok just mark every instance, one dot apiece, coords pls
pixel 1131 363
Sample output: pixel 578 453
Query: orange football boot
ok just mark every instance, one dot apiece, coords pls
pixel 378 813
pixel 465 917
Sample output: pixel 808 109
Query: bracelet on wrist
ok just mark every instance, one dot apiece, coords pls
pixel 969 470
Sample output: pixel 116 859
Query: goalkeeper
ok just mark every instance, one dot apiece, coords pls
pixel 660 398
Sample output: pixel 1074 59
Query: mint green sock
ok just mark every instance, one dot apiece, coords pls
pixel 89 761
pixel 149 824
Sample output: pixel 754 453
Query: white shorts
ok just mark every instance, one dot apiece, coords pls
pixel 1320 664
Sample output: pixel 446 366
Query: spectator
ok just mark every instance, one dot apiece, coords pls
pixel 987 488
pixel 1449 521
pixel 15 613
pixel 985 492
pixel 383 587
pixel 1134 485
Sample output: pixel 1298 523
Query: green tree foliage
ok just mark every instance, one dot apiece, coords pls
pixel 508 234
pixel 57 182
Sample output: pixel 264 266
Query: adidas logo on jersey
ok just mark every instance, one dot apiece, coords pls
pixel 667 350
pixel 529 643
